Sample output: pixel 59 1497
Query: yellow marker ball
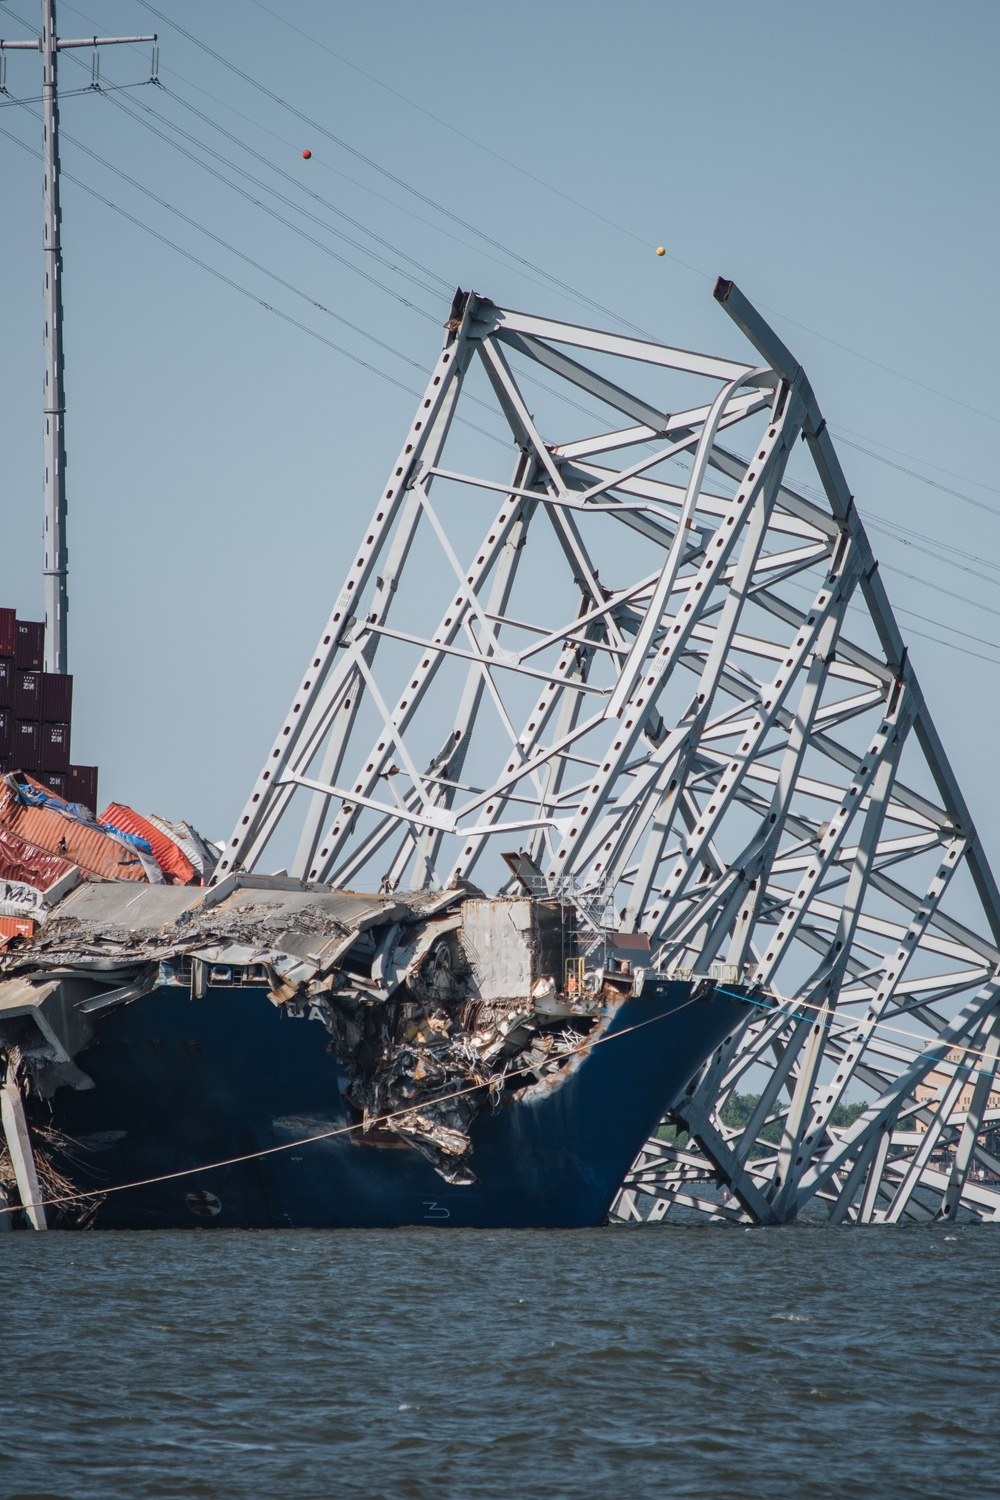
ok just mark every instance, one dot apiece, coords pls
pixel 660 250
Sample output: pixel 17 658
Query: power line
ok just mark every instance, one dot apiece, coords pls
pixel 521 260
pixel 289 203
pixel 319 164
pixel 613 223
pixel 273 275
pixel 273 212
pixel 9 101
pixel 912 614
pixel 939 588
pixel 838 431
pixel 391 176
pixel 934 484
pixel 264 186
pixel 930 552
pixel 948 645
pixel 280 171
pixel 203 229
pixel 320 306
pixel 365 364
pixel 548 186
pixel 237 287
pixel 296 208
pixel 893 529
pixel 297 290
pixel 290 286
pixel 437 228
pixel 480 145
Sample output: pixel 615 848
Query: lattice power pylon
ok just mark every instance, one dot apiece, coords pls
pixel 659 671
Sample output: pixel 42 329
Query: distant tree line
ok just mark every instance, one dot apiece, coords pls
pixel 737 1111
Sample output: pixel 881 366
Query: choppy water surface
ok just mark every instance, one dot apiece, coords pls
pixel 703 1361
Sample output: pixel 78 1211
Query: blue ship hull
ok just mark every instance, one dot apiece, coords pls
pixel 181 1084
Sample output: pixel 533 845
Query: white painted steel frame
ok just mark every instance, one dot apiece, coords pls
pixel 788 820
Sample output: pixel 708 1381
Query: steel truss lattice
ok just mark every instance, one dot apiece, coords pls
pixel 667 676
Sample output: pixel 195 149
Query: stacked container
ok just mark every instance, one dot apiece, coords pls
pixel 36 713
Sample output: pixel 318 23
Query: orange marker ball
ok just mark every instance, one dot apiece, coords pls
pixel 660 250
pixel 307 154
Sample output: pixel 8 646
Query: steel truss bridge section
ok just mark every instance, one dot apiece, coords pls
pixel 647 662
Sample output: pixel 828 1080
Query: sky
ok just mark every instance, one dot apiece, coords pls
pixel 838 162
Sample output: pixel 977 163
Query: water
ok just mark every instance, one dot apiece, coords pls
pixel 664 1361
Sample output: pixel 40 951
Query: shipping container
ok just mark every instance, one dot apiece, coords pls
pixel 55 781
pixel 27 744
pixel 12 927
pixel 22 861
pixel 57 698
pixel 29 654
pixel 203 855
pixel 8 632
pixel 97 854
pixel 6 734
pixel 54 747
pixel 172 861
pixel 7 670
pixel 27 701
pixel 83 786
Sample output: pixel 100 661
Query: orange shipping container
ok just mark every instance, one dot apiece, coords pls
pixel 23 862
pixel 11 927
pixel 98 856
pixel 172 861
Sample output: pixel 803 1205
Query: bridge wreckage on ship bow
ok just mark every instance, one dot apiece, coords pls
pixel 647 688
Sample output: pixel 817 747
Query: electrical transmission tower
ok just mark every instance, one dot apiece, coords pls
pixel 654 659
pixel 49 44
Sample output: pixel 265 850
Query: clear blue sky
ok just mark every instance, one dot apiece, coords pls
pixel 839 162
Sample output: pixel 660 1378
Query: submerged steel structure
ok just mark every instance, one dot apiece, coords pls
pixel 659 674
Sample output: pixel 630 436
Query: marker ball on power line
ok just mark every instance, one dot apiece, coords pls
pixel 660 250
pixel 306 155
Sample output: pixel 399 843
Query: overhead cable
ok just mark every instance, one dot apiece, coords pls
pixel 392 177
pixel 266 208
pixel 237 287
pixel 934 484
pixel 548 186
pixel 595 213
pixel 440 208
pixel 240 254
pixel 930 551
pixel 406 302
pixel 282 198
pixel 979 484
pixel 9 102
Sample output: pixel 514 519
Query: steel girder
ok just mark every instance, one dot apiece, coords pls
pixel 661 668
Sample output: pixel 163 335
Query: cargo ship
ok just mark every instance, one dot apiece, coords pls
pixel 183 1049
pixel 267 1053
pixel 186 1040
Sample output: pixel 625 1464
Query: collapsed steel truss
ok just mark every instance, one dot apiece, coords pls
pixel 664 680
